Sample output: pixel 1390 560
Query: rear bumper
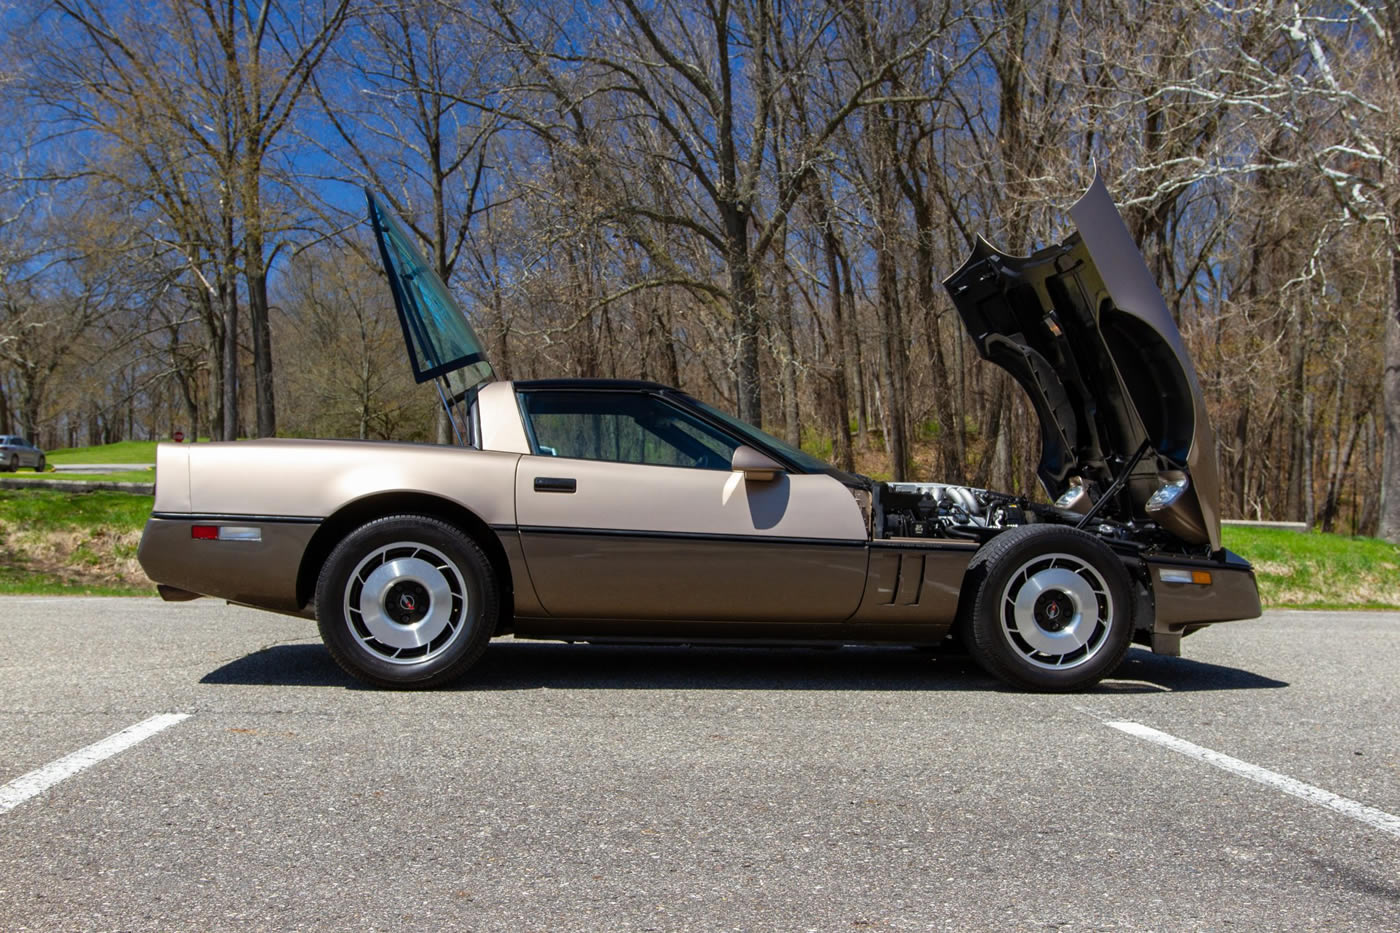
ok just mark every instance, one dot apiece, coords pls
pixel 259 573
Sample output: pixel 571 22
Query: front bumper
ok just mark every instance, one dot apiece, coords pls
pixel 1181 608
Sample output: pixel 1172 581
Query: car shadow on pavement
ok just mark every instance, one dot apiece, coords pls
pixel 1158 673
pixel 305 665
pixel 514 665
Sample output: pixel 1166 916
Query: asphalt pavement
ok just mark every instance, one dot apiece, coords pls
pixel 609 788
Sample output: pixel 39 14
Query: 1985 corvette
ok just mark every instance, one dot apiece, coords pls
pixel 598 510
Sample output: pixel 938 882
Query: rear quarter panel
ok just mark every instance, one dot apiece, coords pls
pixel 172 478
pixel 315 478
pixel 286 489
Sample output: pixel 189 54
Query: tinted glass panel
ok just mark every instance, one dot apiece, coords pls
pixel 439 339
pixel 624 428
pixel 761 439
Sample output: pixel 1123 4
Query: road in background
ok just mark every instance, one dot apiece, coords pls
pixel 602 788
pixel 101 467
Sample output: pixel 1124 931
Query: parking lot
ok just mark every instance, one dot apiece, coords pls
pixel 602 788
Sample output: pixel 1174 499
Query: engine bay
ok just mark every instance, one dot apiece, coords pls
pixel 941 510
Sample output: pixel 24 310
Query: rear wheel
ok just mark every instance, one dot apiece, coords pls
pixel 1047 607
pixel 13 465
pixel 406 601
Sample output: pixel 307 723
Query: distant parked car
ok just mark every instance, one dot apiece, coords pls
pixel 16 452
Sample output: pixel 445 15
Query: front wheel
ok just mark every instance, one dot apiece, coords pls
pixel 406 601
pixel 39 465
pixel 1047 607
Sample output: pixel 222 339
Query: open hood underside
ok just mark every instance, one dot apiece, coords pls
pixel 1083 328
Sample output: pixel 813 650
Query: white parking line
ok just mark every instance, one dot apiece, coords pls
pixel 41 779
pixel 1376 819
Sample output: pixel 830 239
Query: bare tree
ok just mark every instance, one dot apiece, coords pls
pixel 220 81
pixel 349 352
pixel 684 93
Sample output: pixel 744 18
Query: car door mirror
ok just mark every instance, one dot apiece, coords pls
pixel 754 464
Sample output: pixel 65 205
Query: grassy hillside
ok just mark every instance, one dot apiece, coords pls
pixel 123 452
pixel 53 541
pixel 1319 571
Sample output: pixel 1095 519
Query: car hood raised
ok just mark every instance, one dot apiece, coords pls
pixel 1083 328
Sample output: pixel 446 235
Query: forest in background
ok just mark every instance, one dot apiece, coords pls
pixel 753 200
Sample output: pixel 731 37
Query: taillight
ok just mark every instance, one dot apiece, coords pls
pixel 225 533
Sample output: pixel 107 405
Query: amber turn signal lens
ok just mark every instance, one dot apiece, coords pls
pixel 1173 575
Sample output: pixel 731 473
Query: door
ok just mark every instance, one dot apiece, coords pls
pixel 628 510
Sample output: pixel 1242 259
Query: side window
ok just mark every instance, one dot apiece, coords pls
pixel 623 427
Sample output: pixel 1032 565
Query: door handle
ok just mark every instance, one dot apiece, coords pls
pixel 555 484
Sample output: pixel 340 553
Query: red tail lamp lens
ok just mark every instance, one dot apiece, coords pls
pixel 205 532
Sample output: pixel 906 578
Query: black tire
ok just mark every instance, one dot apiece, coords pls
pixel 1047 607
pixel 13 465
pixel 401 580
pixel 39 465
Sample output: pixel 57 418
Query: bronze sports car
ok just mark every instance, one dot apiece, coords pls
pixel 595 510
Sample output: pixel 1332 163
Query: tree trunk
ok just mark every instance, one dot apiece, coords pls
pixel 792 420
pixel 262 348
pixel 31 396
pixel 1389 518
pixel 984 479
pixel 255 273
pixel 1297 417
pixel 743 290
pixel 1309 502
pixel 892 367
pixel 229 406
pixel 852 341
pixel 845 457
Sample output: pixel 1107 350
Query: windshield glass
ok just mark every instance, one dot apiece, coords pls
pixel 440 341
pixel 762 439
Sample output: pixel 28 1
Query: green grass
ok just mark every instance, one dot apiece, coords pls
pixel 53 509
pixel 122 452
pixel 125 476
pixel 21 582
pixel 1301 570
pixel 53 541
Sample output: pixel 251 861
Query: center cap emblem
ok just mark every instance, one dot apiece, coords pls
pixel 1052 610
pixel 406 603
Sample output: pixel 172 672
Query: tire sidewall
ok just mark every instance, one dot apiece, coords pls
pixel 477 577
pixel 993 570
